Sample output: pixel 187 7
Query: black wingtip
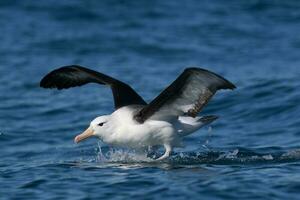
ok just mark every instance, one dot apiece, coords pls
pixel 43 82
pixel 223 83
pixel 47 80
pixel 58 77
pixel 229 85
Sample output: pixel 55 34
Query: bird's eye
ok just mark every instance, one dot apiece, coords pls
pixel 101 124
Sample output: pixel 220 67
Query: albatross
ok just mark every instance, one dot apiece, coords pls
pixel 163 122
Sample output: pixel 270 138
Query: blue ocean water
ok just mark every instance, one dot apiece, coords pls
pixel 251 152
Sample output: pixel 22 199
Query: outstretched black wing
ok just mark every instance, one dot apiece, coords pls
pixel 187 95
pixel 74 75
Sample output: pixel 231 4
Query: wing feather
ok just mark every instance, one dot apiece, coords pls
pixel 187 95
pixel 74 75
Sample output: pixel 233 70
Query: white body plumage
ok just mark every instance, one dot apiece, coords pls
pixel 120 129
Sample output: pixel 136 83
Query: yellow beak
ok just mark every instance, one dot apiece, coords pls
pixel 86 134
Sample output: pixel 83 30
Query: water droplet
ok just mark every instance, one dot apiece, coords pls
pixel 268 157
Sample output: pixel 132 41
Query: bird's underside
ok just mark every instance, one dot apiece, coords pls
pixel 181 100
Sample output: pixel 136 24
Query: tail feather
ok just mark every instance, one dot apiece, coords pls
pixel 189 125
pixel 208 119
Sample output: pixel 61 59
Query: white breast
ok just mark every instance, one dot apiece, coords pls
pixel 126 132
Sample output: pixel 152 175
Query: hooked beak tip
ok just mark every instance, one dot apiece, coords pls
pixel 86 134
pixel 76 139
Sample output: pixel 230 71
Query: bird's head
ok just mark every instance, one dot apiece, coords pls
pixel 98 128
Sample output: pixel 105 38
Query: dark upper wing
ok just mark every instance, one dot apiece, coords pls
pixel 188 94
pixel 73 75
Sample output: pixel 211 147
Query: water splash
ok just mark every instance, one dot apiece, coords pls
pixel 207 140
pixel 291 155
pixel 121 155
pixel 229 155
pixel 235 156
pixel 100 156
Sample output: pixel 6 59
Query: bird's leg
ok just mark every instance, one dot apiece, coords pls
pixel 152 151
pixel 167 152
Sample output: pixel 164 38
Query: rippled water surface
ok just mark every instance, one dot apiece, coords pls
pixel 251 152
